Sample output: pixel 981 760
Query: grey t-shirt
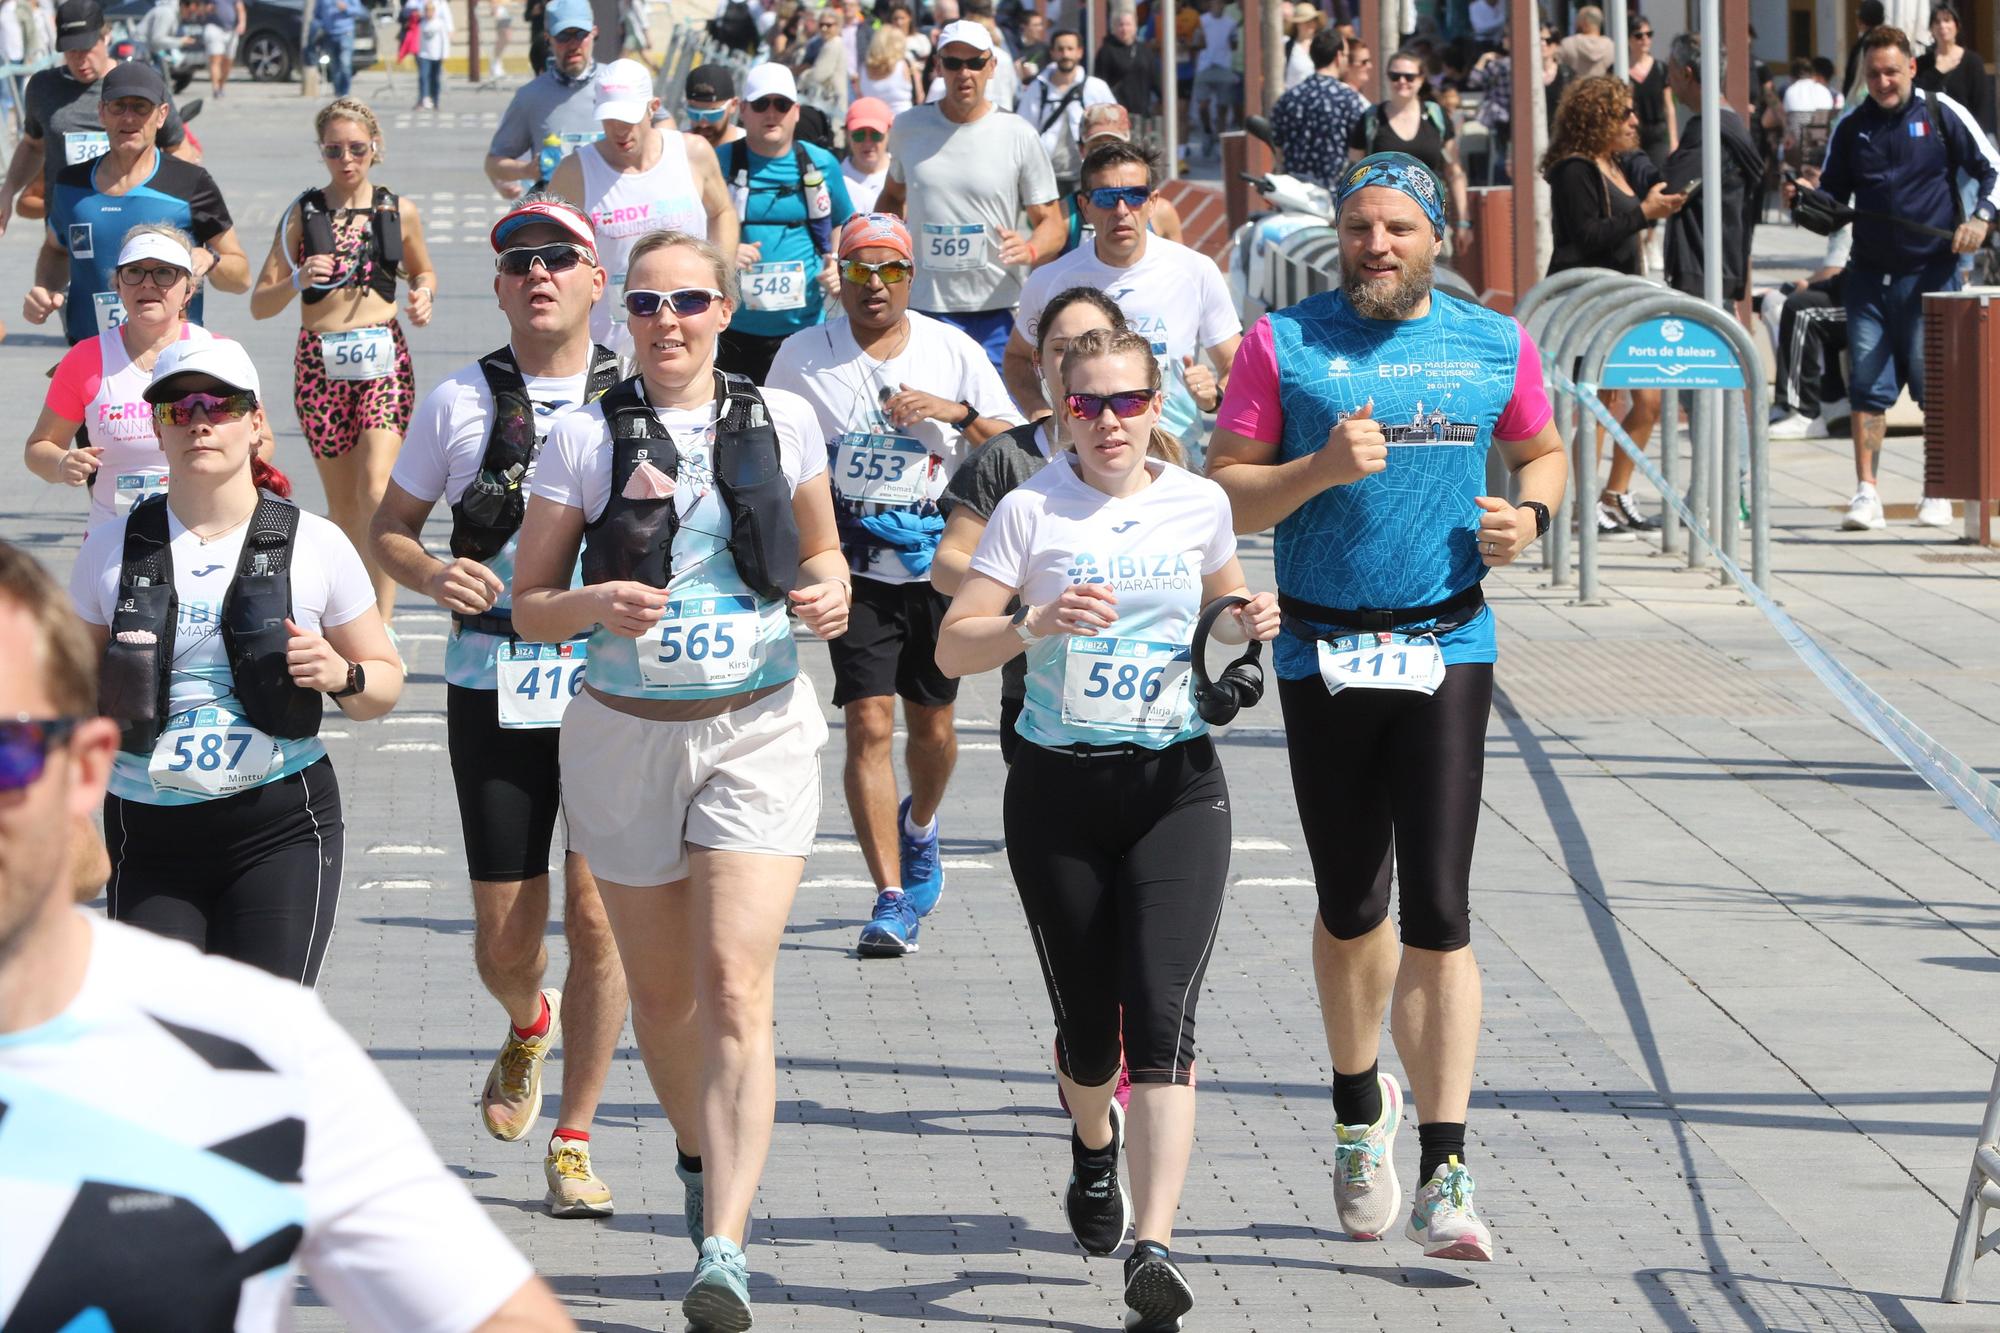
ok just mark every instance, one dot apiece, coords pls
pixel 222 14
pixel 64 115
pixel 965 183
pixel 549 104
pixel 993 469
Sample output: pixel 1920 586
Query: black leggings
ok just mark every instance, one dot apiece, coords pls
pixel 1390 779
pixel 254 876
pixel 1121 864
pixel 509 787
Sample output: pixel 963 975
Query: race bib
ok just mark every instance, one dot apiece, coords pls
pixel 133 487
pixel 537 681
pixel 85 146
pixel 110 310
pixel 954 248
pixel 701 643
pixel 1381 661
pixel 210 752
pixel 358 354
pixel 1127 685
pixel 881 469
pixel 777 286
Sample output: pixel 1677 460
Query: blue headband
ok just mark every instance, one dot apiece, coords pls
pixel 1397 171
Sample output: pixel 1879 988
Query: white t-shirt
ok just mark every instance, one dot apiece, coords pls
pixel 864 189
pixel 330 587
pixel 575 470
pixel 1217 32
pixel 1804 96
pixel 1153 549
pixel 827 368
pixel 193 1118
pixel 1064 132
pixel 965 184
pixel 440 457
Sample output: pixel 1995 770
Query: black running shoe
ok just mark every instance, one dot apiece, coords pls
pixel 1156 1295
pixel 1099 1209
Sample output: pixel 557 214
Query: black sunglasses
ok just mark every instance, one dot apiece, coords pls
pixel 1404 76
pixel 772 103
pixel 555 257
pixel 683 301
pixel 333 152
pixel 25 743
pixel 957 63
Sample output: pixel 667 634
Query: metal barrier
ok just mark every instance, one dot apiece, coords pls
pixel 16 78
pixel 1307 262
pixel 687 46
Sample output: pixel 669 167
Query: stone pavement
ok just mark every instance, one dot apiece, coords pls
pixel 1737 959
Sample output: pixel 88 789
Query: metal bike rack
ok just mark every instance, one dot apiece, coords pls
pixel 1982 1195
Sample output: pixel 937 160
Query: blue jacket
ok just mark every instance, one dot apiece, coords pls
pixel 1906 162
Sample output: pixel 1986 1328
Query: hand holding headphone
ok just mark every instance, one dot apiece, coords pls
pixel 1241 684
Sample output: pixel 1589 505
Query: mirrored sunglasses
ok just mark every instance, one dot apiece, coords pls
pixel 25 743
pixel 683 301
pixel 1125 404
pixel 215 407
pixel 1110 196
pixel 555 257
pixel 891 271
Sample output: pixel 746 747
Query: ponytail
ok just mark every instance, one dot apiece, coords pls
pixel 1166 448
pixel 268 478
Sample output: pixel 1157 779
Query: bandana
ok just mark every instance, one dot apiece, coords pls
pixel 1397 171
pixel 866 229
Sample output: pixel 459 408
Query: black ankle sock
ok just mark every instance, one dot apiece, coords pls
pixel 1357 1098
pixel 1437 1142
pixel 691 1165
pixel 1097 1158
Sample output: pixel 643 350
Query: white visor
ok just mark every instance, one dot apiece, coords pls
pixel 154 245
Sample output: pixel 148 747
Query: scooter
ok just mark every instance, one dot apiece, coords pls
pixel 1294 205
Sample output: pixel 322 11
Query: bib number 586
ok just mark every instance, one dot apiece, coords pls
pixel 1125 681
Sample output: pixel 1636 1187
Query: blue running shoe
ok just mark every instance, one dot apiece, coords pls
pixel 718 1300
pixel 693 1201
pixel 923 873
pixel 892 931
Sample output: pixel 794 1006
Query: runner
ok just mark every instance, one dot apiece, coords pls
pixel 503 698
pixel 963 175
pixel 183 1135
pixel 902 399
pixel 866 166
pixel 1171 294
pixel 637 179
pixel 223 817
pixel 1112 556
pixel 106 196
pixel 792 199
pixel 554 113
pixel 341 248
pixel 1054 102
pixel 693 750
pixel 1385 710
pixel 708 104
pixel 1102 125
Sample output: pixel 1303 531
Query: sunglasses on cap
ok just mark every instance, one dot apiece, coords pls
pixel 706 115
pixel 774 102
pixel 1108 197
pixel 555 257
pixel 163 276
pixel 866 136
pixel 683 301
pixel 1125 404
pixel 214 406
pixel 333 152
pixel 25 743
pixel 891 271
pixel 957 63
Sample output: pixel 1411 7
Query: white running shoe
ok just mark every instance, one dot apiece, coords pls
pixel 511 1101
pixel 1796 427
pixel 1442 1219
pixel 1864 511
pixel 1366 1192
pixel 1934 512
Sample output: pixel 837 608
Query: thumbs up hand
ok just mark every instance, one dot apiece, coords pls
pixel 1354 448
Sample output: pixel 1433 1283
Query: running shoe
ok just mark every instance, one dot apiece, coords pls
pixel 1366 1192
pixel 694 1196
pixel 1442 1219
pixel 718 1300
pixel 892 931
pixel 1864 511
pixel 511 1101
pixel 923 873
pixel 1156 1295
pixel 1933 512
pixel 1796 427
pixel 1123 1092
pixel 574 1188
pixel 1611 524
pixel 1629 512
pixel 1098 1207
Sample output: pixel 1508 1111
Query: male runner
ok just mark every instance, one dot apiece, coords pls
pixel 1357 423
pixel 708 106
pixel 554 113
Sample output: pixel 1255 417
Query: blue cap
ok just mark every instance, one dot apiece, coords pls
pixel 564 15
pixel 1397 171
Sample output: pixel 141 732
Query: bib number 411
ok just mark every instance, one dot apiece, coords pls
pixel 1381 661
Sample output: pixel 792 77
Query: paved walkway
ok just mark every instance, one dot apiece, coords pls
pixel 1739 963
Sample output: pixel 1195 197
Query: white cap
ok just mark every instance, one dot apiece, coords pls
pixel 967 32
pixel 155 245
pixel 770 79
pixel 624 92
pixel 218 359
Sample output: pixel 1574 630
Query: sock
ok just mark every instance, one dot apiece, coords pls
pixel 1357 1098
pixel 691 1165
pixel 538 1028
pixel 924 834
pixel 1151 1245
pixel 1096 1158
pixel 580 1135
pixel 892 888
pixel 1436 1142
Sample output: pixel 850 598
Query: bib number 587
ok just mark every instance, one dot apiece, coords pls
pixel 212 751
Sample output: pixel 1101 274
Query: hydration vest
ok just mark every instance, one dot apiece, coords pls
pixel 634 539
pixel 138 660
pixel 385 231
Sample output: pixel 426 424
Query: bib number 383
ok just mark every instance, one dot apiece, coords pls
pixel 358 354
pixel 211 752
pixel 537 681
pixel 1381 661
pixel 1126 685
pixel 701 643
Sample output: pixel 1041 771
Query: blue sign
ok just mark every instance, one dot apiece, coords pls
pixel 1672 353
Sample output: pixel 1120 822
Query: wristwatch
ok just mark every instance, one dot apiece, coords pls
pixel 1019 620
pixel 357 681
pixel 964 423
pixel 1541 516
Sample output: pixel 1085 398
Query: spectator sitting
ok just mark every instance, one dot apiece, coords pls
pixel 1808 321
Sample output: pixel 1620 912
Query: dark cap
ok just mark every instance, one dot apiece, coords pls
pixel 711 83
pixel 134 78
pixel 79 25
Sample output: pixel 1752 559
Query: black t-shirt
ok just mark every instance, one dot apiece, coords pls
pixel 1649 99
pixel 981 482
pixel 1427 147
pixel 64 114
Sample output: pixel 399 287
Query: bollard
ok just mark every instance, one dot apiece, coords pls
pixel 1670 468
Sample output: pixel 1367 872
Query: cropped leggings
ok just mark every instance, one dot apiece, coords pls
pixel 1121 862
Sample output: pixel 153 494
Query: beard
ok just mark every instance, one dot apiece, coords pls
pixel 1373 299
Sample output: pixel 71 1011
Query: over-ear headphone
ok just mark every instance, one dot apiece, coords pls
pixel 1241 684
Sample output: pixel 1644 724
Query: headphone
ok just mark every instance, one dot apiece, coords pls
pixel 1241 684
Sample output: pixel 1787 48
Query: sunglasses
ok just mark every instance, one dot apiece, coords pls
pixel 25 743
pixel 706 115
pixel 555 257
pixel 1642 36
pixel 766 105
pixel 333 152
pixel 215 407
pixel 1108 197
pixel 957 63
pixel 891 271
pixel 683 301
pixel 1404 76
pixel 866 136
pixel 1127 404
pixel 163 277
pixel 571 36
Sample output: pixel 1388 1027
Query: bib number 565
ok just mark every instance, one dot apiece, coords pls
pixel 697 641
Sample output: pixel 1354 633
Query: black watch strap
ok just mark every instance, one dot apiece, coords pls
pixel 1541 516
pixel 357 681
pixel 971 415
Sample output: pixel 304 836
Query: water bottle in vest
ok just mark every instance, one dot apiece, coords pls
pixel 819 200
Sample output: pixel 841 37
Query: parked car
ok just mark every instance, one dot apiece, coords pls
pixel 270 49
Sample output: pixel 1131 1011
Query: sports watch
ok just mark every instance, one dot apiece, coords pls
pixel 357 681
pixel 1541 516
pixel 1019 620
